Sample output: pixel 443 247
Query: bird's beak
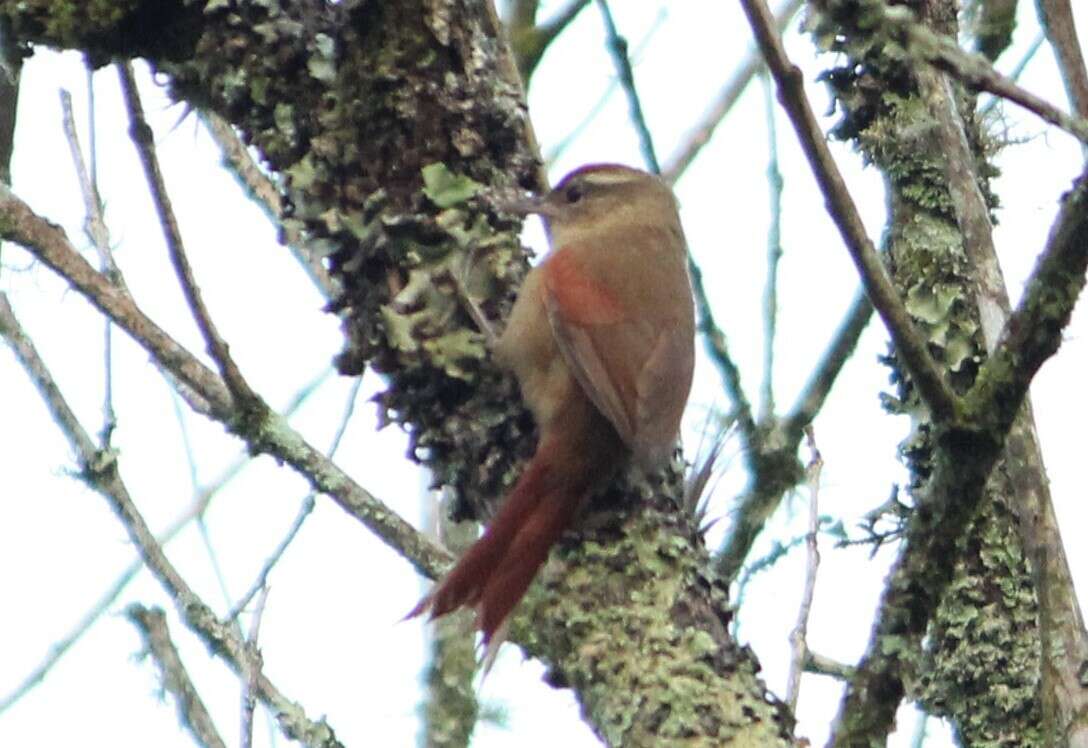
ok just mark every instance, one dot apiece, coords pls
pixel 525 205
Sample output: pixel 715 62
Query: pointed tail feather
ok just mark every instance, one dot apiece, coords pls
pixel 465 584
pixel 524 556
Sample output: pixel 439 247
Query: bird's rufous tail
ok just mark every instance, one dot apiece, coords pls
pixel 495 572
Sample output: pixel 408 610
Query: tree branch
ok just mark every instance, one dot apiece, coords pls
pixel 141 135
pixel 98 468
pixel 1061 29
pixel 934 390
pixel 192 713
pixel 269 432
pixel 700 135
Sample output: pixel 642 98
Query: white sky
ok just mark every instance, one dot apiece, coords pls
pixel 330 634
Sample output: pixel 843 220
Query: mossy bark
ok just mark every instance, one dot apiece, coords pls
pixel 981 664
pixel 387 123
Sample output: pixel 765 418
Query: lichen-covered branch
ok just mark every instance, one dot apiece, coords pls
pixel 962 578
pixel 99 469
pixel 263 429
pixel 389 125
pixel 934 390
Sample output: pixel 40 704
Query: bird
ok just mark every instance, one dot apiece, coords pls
pixel 601 342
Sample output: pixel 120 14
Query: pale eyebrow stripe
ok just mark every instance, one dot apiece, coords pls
pixel 610 177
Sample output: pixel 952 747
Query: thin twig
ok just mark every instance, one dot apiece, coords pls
pixel 973 69
pixel 192 713
pixel 934 391
pixel 716 344
pixel 700 135
pixel 821 665
pixel 260 188
pixel 823 377
pixel 253 670
pixel 717 348
pixel 143 139
pixel 304 511
pixel 99 470
pixel 267 431
pixel 1016 72
pixel 774 255
pixel 1061 29
pixel 107 599
pixel 94 226
pixel 798 637
pixel 560 147
pixel 617 46
pixel 307 507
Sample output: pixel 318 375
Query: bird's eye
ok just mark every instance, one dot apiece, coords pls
pixel 573 194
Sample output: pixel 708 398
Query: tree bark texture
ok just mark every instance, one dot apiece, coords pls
pixel 387 123
pixel 987 638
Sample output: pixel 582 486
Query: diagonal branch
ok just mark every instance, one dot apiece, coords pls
pixel 1033 331
pixel 931 384
pixel 1061 30
pixel 192 713
pixel 145 147
pixel 266 431
pixel 972 69
pixel 700 135
pixel 260 188
pixel 98 468
pixel 203 499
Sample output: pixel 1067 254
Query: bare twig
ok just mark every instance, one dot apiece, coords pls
pixel 700 135
pixel 774 255
pixel 819 384
pixel 304 511
pixel 98 468
pixel 253 669
pixel 798 640
pixel 94 226
pixel 266 431
pixel 197 508
pixel 1016 72
pixel 821 665
pixel 718 349
pixel 934 391
pixel 1061 29
pixel 262 190
pixel 145 147
pixel 557 150
pixel 617 46
pixel 192 713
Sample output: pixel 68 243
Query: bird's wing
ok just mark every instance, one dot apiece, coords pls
pixel 635 367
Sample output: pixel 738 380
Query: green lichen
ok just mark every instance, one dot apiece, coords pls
pixel 647 663
pixel 446 189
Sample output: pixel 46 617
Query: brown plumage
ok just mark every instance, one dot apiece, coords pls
pixel 601 341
